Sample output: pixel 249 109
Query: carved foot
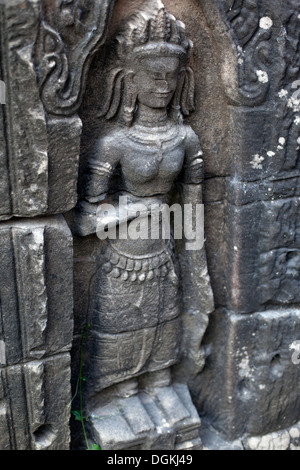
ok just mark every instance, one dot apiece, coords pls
pixel 172 410
pixel 161 416
pixel 122 423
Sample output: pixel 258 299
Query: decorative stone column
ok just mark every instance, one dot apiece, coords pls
pixel 45 50
pixel 248 389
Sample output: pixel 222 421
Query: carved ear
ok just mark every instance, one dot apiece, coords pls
pixel 183 101
pixel 114 87
pixel 176 102
pixel 129 99
pixel 188 93
pixel 177 96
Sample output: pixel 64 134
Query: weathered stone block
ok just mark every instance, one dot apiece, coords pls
pixel 36 280
pixel 35 405
pixel 287 439
pixel 256 232
pixel 37 153
pixel 249 385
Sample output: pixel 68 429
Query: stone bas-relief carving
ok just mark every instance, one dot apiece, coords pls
pixel 135 309
pixel 70 32
pixel 246 65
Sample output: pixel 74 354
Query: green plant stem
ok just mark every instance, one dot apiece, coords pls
pixel 80 389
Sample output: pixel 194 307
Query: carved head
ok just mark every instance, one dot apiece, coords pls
pixel 152 52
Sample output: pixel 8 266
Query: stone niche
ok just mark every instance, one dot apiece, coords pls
pixel 240 293
pixel 166 417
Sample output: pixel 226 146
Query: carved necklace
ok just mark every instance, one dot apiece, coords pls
pixel 157 136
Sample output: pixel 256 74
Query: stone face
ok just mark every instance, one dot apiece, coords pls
pixel 249 361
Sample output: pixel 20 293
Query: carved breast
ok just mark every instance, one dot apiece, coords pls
pixel 150 164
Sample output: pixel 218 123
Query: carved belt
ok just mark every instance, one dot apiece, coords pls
pixel 140 268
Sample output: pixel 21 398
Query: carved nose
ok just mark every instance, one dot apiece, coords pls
pixel 162 85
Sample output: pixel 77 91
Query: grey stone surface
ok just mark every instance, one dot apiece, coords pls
pixel 246 120
pixel 46 48
pixel 147 420
pixel 35 404
pixel 44 59
pixel 36 333
pixel 249 383
pixel 245 63
pixel 69 33
pixel 251 201
pixel 287 439
pixel 24 156
pixel 35 288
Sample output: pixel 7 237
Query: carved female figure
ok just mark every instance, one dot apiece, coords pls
pixel 135 308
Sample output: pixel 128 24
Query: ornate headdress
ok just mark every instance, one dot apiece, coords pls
pixel 150 32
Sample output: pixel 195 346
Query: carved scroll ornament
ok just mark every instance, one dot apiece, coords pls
pixel 242 33
pixel 70 32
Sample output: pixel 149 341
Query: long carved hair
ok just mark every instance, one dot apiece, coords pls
pixel 154 31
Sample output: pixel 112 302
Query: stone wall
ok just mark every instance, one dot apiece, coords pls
pixel 247 116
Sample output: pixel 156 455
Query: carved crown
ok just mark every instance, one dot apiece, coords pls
pixel 152 30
